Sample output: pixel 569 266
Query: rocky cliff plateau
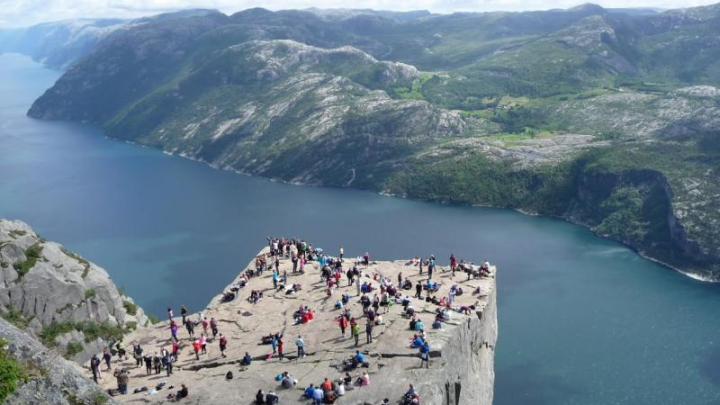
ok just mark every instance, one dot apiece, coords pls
pixel 461 356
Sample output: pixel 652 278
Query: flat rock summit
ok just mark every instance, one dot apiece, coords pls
pixel 461 350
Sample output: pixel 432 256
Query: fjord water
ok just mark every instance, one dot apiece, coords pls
pixel 583 321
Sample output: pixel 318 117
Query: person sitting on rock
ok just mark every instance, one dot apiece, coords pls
pixel 260 398
pixel 318 396
pixel 182 393
pixel 326 385
pixel 360 359
pixel 419 325
pixel 413 322
pixel 271 398
pixel 363 380
pixel 247 360
pixel 287 380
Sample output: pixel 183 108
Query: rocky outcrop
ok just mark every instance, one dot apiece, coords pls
pixel 51 380
pixel 45 285
pixel 461 351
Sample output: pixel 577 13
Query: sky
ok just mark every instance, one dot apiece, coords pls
pixel 18 13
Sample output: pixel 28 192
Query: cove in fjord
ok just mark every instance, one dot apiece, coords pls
pixel 583 320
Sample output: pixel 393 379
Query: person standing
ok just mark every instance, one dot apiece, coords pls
pixel 355 332
pixel 203 343
pixel 196 347
pixel 300 347
pixel 425 355
pixel 280 348
pixel 453 264
pixel 107 356
pixel 174 330
pixel 213 326
pixel 175 350
pixel 137 353
pixel 183 312
pixel 223 345
pixel 342 253
pixel 418 290
pixel 157 363
pixel 343 324
pixel 167 363
pixel 369 330
pixel 148 364
pixel 399 280
pixel 95 367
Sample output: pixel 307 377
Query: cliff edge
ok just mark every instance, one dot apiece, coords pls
pixel 58 296
pixel 461 350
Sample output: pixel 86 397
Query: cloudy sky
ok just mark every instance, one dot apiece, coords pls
pixel 14 13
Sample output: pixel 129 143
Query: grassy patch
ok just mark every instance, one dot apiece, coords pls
pixel 11 373
pixel 80 259
pixel 89 293
pixel 130 308
pixel 73 348
pixel 153 319
pixel 16 318
pixel 32 254
pixel 91 330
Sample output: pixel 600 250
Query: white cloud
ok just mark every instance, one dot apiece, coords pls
pixel 14 13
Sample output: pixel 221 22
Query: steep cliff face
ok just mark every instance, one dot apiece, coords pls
pixel 57 294
pixel 466 374
pixel 638 208
pixel 48 378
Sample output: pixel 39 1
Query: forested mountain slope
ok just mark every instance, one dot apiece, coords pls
pixel 605 117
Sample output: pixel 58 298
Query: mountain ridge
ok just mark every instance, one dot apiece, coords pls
pixel 534 104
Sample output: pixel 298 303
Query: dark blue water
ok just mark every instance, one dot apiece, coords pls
pixel 583 321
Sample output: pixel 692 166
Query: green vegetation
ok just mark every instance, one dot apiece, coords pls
pixel 16 318
pixel 11 373
pixel 72 349
pixel 130 307
pixel 89 293
pixel 292 112
pixel 16 234
pixel 32 254
pixel 414 91
pixel 80 259
pixel 91 330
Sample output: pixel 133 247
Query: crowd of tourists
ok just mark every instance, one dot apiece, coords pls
pixel 375 293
